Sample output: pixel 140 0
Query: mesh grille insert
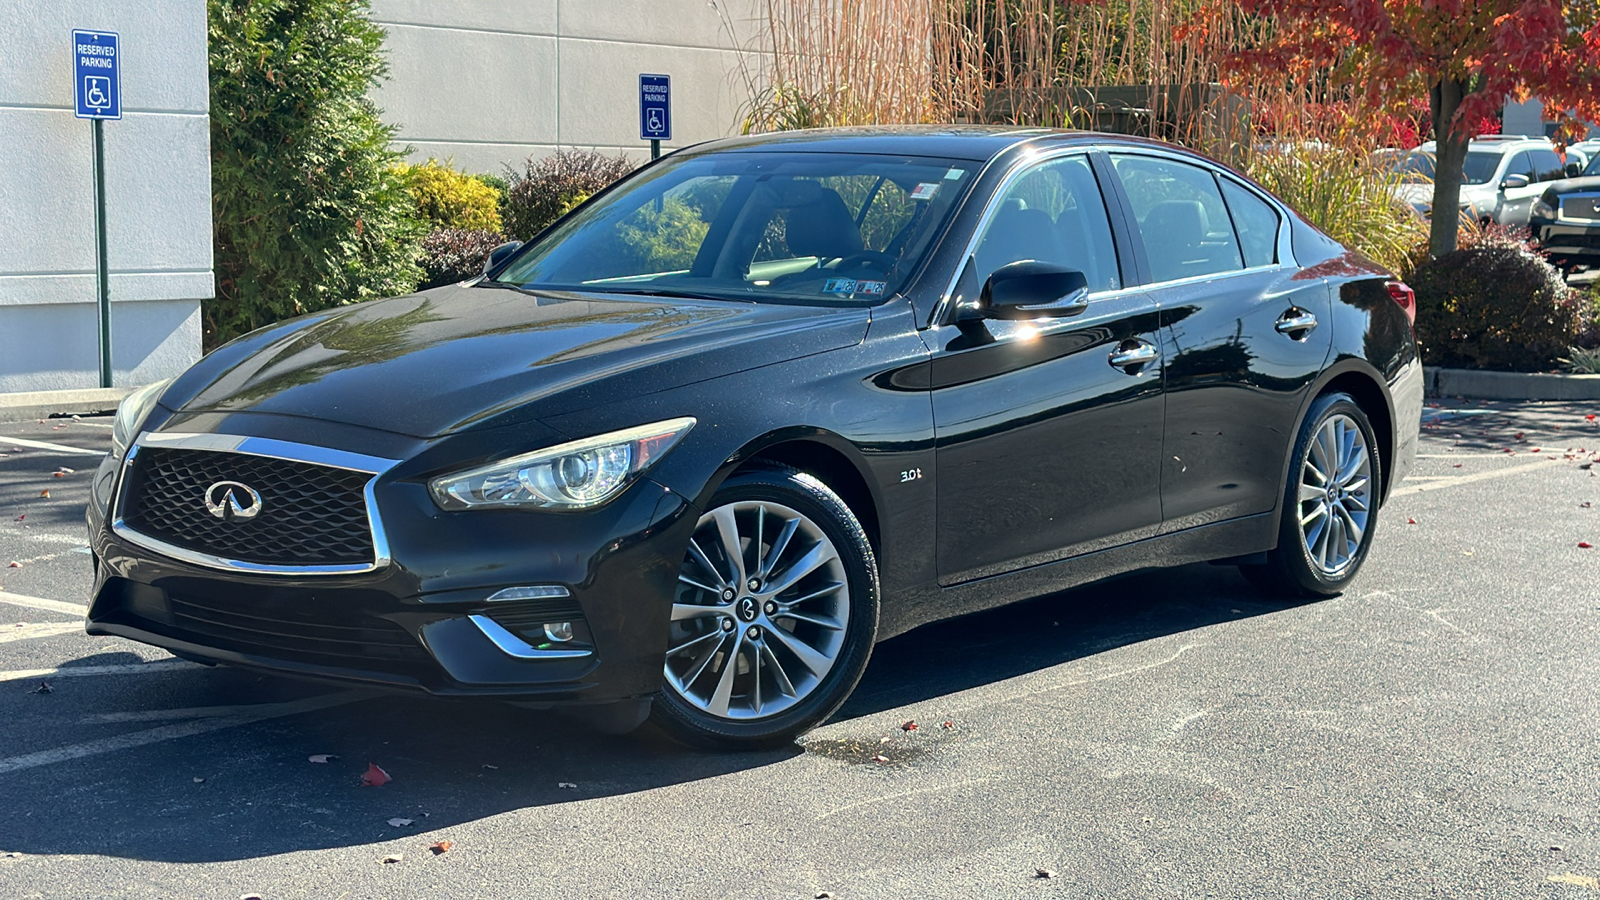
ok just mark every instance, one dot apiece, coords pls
pixel 310 515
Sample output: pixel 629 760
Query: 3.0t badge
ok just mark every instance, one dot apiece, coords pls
pixel 231 501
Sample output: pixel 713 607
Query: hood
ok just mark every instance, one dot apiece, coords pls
pixel 1574 185
pixel 431 363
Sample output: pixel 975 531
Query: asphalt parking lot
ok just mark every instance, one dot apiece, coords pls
pixel 1172 734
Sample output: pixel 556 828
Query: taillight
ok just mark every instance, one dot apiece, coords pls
pixel 1405 296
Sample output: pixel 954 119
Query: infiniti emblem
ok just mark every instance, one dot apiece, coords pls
pixel 747 609
pixel 231 501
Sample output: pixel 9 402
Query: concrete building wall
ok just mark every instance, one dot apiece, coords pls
pixel 158 195
pixel 491 84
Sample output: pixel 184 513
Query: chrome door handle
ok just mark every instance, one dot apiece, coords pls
pixel 1132 353
pixel 1296 320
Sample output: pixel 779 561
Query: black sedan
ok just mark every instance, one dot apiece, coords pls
pixel 761 404
pixel 1566 219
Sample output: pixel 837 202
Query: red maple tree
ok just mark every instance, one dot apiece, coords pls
pixel 1466 56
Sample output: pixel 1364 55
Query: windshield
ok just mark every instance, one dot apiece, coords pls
pixel 786 227
pixel 1480 166
pixel 1594 166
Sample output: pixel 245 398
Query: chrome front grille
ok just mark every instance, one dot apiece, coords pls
pixel 1581 207
pixel 309 515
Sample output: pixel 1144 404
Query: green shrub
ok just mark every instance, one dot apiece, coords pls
pixel 1344 193
pixel 450 255
pixel 307 209
pixel 550 187
pixel 1495 303
pixel 449 199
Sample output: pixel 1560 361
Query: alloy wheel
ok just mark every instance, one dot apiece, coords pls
pixel 761 611
pixel 1335 495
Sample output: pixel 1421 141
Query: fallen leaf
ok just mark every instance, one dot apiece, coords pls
pixel 487 766
pixel 908 726
pixel 43 688
pixel 20 518
pixel 1456 465
pixel 1590 417
pixel 400 823
pixel 1585 544
pixel 1519 435
pixel 1044 873
pixel 394 858
pixel 566 784
pixel 249 897
pixel 321 758
pixel 1534 450
pixel 14 565
pixel 439 847
pixel 880 758
pixel 374 776
pixel 947 725
pixel 1411 521
pixel 199 780
pixel 45 493
pixel 1586 505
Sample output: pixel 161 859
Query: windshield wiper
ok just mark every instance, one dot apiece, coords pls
pixel 658 292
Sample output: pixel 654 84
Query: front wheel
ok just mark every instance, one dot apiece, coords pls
pixel 774 616
pixel 1330 506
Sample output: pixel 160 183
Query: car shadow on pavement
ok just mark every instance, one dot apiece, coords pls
pixel 252 791
pixel 958 654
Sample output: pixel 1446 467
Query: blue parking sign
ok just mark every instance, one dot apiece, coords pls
pixel 96 74
pixel 655 108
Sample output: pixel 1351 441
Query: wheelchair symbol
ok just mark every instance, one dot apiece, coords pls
pixel 653 122
pixel 96 92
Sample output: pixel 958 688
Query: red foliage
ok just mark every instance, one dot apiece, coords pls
pixel 1398 48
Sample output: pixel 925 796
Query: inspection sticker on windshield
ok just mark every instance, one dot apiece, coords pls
pixel 839 286
pixel 870 287
pixel 925 190
pixel 954 174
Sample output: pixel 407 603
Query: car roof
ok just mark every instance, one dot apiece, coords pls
pixel 1495 143
pixel 974 142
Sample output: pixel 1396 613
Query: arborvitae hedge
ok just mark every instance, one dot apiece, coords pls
pixel 308 209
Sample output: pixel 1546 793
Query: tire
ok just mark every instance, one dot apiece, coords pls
pixel 742 665
pixel 1316 555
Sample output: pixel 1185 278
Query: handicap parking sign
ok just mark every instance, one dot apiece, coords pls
pixel 96 74
pixel 655 108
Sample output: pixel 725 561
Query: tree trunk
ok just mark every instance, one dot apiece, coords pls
pixel 1449 164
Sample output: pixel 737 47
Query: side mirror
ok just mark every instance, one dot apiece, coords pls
pixel 500 254
pixel 1034 290
pixel 1514 181
pixel 1574 170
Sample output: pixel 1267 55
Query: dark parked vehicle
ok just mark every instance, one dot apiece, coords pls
pixel 759 405
pixel 1566 219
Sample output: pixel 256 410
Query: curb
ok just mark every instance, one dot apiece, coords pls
pixel 1481 385
pixel 26 405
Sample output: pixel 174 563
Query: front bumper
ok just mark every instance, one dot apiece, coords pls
pixel 1568 240
pixel 422 619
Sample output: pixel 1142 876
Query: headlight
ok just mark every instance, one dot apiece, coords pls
pixel 576 475
pixel 131 413
pixel 1543 208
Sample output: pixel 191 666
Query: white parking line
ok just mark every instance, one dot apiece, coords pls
pixel 43 629
pixel 46 445
pixel 1467 479
pixel 167 715
pixel 183 729
pixel 153 667
pixel 60 606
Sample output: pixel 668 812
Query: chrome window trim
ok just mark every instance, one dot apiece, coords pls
pixel 271 449
pixel 1286 259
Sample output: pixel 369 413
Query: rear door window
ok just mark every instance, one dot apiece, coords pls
pixel 1256 223
pixel 1181 217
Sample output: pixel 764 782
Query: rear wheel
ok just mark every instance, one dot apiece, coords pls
pixel 774 616
pixel 1330 505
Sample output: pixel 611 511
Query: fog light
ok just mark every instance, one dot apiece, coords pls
pixel 558 632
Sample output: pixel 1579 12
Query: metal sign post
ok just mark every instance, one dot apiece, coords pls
pixel 97 82
pixel 655 111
